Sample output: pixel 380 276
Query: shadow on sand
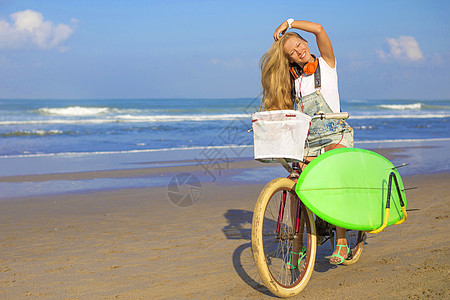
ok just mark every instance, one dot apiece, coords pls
pixel 239 228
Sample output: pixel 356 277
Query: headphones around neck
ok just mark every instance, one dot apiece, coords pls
pixel 308 68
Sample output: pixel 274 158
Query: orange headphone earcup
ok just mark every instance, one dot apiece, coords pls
pixel 311 67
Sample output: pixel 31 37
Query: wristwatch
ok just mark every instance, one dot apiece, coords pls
pixel 290 21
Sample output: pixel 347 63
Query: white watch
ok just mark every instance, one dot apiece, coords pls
pixel 290 21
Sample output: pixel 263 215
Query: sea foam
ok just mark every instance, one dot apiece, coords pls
pixel 415 106
pixel 131 119
pixel 74 111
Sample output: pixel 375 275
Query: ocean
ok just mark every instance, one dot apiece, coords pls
pixel 49 127
pixel 39 137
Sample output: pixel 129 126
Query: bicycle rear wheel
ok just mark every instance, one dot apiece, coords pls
pixel 273 239
pixel 355 241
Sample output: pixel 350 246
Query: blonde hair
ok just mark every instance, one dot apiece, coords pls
pixel 275 77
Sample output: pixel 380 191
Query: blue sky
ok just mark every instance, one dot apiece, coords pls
pixel 211 49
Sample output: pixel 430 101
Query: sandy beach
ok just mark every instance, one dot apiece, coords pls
pixel 136 243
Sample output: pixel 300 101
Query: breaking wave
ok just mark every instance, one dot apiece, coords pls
pixel 74 111
pixel 132 119
pixel 415 106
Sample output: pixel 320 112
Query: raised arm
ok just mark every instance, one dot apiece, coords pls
pixel 322 39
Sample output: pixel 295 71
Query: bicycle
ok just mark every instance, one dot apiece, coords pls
pixel 283 229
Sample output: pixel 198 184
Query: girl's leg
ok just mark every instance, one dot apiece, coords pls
pixel 342 251
pixel 340 232
pixel 297 244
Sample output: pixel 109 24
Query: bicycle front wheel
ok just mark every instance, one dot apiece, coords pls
pixel 276 246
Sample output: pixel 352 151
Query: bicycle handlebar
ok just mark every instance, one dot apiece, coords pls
pixel 321 116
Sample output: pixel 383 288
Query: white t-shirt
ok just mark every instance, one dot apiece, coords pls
pixel 329 88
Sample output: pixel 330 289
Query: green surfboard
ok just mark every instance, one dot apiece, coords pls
pixel 348 187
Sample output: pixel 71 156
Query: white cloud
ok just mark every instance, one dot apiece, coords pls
pixel 404 47
pixel 29 30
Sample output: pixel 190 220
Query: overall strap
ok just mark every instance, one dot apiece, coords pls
pixel 317 79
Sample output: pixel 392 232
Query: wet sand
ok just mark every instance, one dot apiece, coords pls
pixel 236 164
pixel 135 243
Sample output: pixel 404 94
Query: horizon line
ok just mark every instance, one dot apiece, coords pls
pixel 214 98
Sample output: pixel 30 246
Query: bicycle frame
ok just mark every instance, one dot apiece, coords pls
pixel 281 232
pixel 295 174
pixel 281 214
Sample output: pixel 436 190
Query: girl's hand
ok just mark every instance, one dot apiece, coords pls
pixel 280 30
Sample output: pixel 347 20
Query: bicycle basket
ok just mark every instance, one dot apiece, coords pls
pixel 279 134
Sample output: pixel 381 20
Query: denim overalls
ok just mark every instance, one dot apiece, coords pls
pixel 323 132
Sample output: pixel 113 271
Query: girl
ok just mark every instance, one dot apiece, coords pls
pixel 293 78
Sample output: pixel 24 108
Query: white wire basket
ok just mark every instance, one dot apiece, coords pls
pixel 279 134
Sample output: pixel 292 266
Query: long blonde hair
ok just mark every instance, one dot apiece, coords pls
pixel 275 77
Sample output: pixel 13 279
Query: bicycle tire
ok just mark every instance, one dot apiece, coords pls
pixel 272 252
pixel 355 241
